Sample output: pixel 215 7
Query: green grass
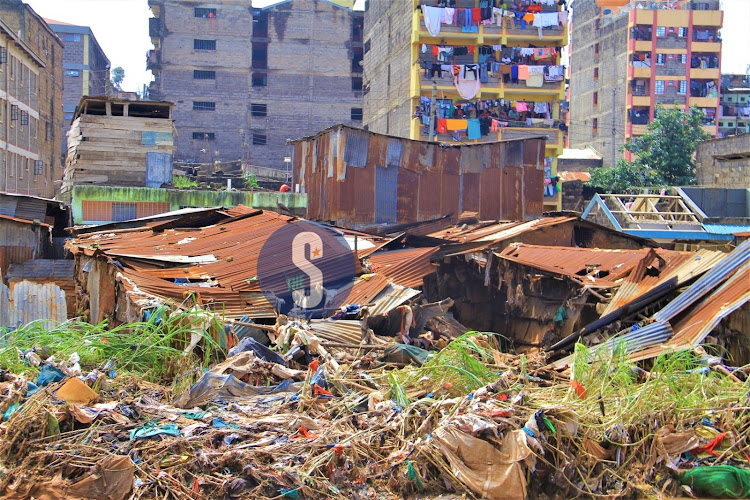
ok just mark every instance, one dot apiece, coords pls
pixel 183 181
pixel 150 350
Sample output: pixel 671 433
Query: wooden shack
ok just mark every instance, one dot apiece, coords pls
pixel 117 142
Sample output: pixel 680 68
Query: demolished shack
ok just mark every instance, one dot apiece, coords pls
pixel 211 255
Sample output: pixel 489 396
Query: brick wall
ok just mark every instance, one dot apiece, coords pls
pixel 724 162
pixel 309 76
pixel 612 38
pixel 387 67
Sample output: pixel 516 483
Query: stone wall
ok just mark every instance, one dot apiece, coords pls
pixel 724 162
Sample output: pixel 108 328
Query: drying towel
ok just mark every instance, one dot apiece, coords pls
pixel 448 14
pixel 455 124
pixel 536 70
pixel 521 106
pixel 474 129
pixel 467 89
pixel 432 18
pixel 442 126
pixel 535 80
pixel 523 72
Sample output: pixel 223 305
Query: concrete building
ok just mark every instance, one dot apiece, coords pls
pixel 627 56
pixel 85 66
pixel 734 112
pixel 510 83
pixel 30 102
pixel 245 80
pixel 723 162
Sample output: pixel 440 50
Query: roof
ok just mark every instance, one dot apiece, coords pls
pixel 10 33
pixel 344 4
pixel 24 221
pixel 574 176
pixel 489 232
pixel 406 267
pixel 52 22
pixel 580 154
pixel 42 268
pixel 588 266
pixel 21 195
pixel 341 126
pixel 221 259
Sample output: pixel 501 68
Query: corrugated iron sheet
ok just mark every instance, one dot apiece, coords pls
pixel 725 228
pixel 5 306
pixel 364 290
pixel 594 266
pixel 395 148
pixel 356 147
pixel 348 331
pixel 29 302
pixel 392 296
pixel 406 267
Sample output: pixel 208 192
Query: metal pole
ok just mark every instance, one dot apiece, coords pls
pixel 433 109
pixel 614 150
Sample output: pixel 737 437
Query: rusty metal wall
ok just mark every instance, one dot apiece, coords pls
pixel 27 302
pixel 337 170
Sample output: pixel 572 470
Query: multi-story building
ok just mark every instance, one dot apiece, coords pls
pixel 628 56
pixel 510 81
pixel 734 113
pixel 30 102
pixel 85 66
pixel 246 80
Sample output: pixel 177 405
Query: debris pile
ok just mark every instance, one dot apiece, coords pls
pixel 298 418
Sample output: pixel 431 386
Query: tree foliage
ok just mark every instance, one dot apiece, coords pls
pixel 664 154
pixel 117 76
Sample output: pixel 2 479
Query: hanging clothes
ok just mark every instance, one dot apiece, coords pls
pixel 442 126
pixel 535 80
pixel 455 124
pixel 474 131
pixel 467 89
pixel 448 14
pixel 523 72
pixel 432 18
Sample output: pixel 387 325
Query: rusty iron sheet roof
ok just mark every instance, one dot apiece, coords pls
pixel 222 256
pixel 589 266
pixel 24 221
pixel 683 267
pixel 574 176
pixel 405 267
pixel 366 288
pixel 495 231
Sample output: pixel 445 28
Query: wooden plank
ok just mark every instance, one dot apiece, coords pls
pixel 122 146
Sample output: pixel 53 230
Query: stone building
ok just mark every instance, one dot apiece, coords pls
pixel 31 102
pixel 510 71
pixel 246 80
pixel 734 116
pixel 723 162
pixel 85 66
pixel 627 56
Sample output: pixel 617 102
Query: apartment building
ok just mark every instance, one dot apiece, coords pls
pixel 85 66
pixel 734 116
pixel 629 56
pixel 30 102
pixel 245 80
pixel 509 80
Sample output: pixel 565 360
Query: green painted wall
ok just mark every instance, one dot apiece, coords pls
pixel 177 198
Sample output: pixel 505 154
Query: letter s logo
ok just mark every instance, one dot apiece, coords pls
pixel 300 242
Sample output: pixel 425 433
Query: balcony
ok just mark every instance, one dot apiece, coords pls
pixel 706 47
pixel 641 46
pixel 641 72
pixel 707 73
pixel 518 90
pixel 638 130
pixel 709 129
pixel 708 18
pixel 641 100
pixel 155 27
pixel 704 102
pixel 153 59
pixel 454 34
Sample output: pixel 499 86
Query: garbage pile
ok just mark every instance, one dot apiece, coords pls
pixel 140 411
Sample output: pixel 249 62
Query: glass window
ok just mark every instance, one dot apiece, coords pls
pixel 204 136
pixel 683 87
pixel 204 106
pixel 659 87
pixel 257 109
pixel 661 31
pixel 204 12
pixel 259 139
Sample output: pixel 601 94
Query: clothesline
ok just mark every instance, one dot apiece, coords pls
pixel 470 19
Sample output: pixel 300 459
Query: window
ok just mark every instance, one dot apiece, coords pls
pixel 24 118
pixel 596 24
pixel 661 31
pixel 260 55
pixel 3 55
pixel 259 79
pixel 49 131
pixel 357 56
pixel 356 114
pixel 596 49
pixel 682 32
pixel 660 59
pixel 367 46
pixel 204 136
pixel 122 211
pixel 72 38
pixel 204 106
pixel 258 109
pixel 683 87
pixel 38 167
pixel 596 74
pixel 259 139
pixel 356 83
pixel 260 24
pixel 72 72
pixel 659 87
pixel 205 13
pixel 682 58
pixel 357 30
pixel 204 75
pixel 204 44
pixel 594 125
pixel 13 112
pixel 596 99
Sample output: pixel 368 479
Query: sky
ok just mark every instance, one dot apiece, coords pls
pixel 121 28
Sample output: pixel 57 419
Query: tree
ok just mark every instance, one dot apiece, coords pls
pixel 118 75
pixel 664 154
